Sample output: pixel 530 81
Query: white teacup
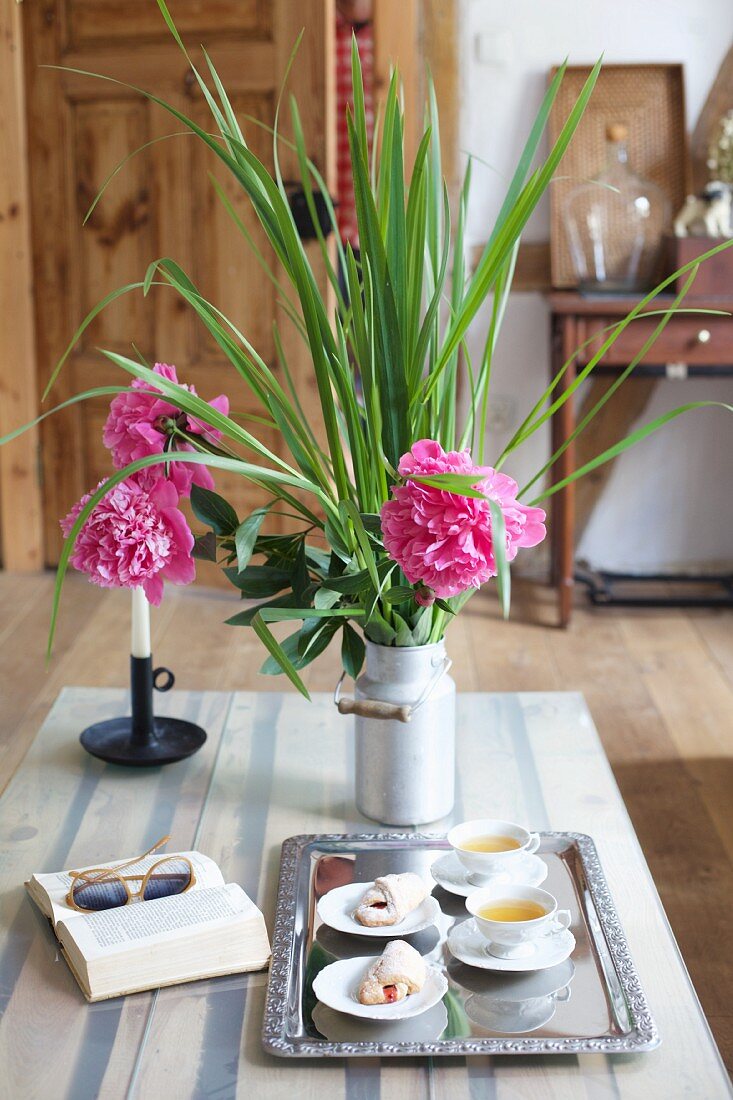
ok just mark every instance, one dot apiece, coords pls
pixel 483 865
pixel 516 939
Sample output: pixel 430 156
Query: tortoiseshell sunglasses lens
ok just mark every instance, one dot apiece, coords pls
pixel 172 876
pixel 98 894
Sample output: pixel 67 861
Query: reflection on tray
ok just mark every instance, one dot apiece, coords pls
pixel 513 1004
pixel 340 1028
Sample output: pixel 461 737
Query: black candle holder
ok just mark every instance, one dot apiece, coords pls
pixel 142 740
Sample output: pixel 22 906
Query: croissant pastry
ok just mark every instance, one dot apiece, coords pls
pixel 390 899
pixel 399 971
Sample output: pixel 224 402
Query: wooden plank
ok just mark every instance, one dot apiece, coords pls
pixel 441 53
pixel 715 630
pixel 21 539
pixel 396 30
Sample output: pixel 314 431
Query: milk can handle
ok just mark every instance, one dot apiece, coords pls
pixel 376 708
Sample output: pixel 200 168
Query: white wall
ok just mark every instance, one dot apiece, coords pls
pixel 668 502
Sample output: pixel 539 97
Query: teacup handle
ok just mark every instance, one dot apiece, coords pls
pixel 534 843
pixel 564 995
pixel 562 920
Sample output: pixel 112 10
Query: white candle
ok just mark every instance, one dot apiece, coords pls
pixel 140 645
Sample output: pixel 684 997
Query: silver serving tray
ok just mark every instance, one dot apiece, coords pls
pixel 595 1004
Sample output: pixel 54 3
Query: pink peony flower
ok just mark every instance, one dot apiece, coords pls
pixel 134 536
pixel 130 431
pixel 443 540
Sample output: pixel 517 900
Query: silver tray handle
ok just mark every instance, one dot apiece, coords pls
pixel 376 708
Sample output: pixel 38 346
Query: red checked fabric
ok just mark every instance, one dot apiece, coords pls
pixel 346 210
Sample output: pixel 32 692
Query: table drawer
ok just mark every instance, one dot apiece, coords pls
pixel 700 341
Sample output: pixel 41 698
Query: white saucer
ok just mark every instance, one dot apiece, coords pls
pixel 337 986
pixel 449 872
pixel 517 1019
pixel 467 944
pixel 336 909
pixel 338 1028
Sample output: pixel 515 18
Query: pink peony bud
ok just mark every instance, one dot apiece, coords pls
pixel 424 596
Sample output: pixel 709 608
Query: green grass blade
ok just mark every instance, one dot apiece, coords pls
pixel 624 444
pixel 498 542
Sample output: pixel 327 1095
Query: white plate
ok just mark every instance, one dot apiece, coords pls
pixel 449 872
pixel 337 986
pixel 336 909
pixel 467 944
pixel 339 1028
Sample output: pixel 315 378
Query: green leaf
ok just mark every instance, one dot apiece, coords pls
pixel 336 542
pixel 302 647
pixel 246 535
pixel 300 577
pixel 204 547
pixel 372 523
pixel 350 583
pixel 378 630
pixel 278 654
pixel 244 618
pixel 257 581
pixel 213 510
pixel 444 606
pixel 398 594
pixel 498 541
pixel 353 651
pixel 404 636
pixel 421 629
pixel 325 597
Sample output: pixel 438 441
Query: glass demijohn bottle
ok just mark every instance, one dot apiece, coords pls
pixel 615 223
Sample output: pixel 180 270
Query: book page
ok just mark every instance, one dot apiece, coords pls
pixel 155 923
pixel 56 885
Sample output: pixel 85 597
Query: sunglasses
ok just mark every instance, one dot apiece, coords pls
pixel 100 888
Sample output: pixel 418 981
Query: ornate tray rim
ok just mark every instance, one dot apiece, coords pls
pixel 644 1035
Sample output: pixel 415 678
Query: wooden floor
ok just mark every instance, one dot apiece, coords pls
pixel 659 684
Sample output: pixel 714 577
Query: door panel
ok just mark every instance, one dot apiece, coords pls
pixel 161 203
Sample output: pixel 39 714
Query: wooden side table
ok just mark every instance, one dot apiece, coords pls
pixel 689 346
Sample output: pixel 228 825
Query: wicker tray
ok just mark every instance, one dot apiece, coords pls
pixel 650 101
pixel 603 1007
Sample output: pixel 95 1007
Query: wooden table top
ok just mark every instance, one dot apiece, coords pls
pixel 274 766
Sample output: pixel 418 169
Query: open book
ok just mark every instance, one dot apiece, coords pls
pixel 211 929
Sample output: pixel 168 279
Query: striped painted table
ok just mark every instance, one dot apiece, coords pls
pixel 274 766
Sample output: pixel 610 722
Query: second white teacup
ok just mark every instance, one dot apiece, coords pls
pixel 509 935
pixel 489 846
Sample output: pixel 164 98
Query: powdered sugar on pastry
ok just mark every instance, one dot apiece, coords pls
pixel 399 971
pixel 390 899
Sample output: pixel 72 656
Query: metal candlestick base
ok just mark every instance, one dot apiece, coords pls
pixel 143 741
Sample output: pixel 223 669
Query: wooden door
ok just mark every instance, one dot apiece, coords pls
pixel 161 204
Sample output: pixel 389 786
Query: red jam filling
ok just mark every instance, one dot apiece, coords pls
pixel 390 993
pixel 378 905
